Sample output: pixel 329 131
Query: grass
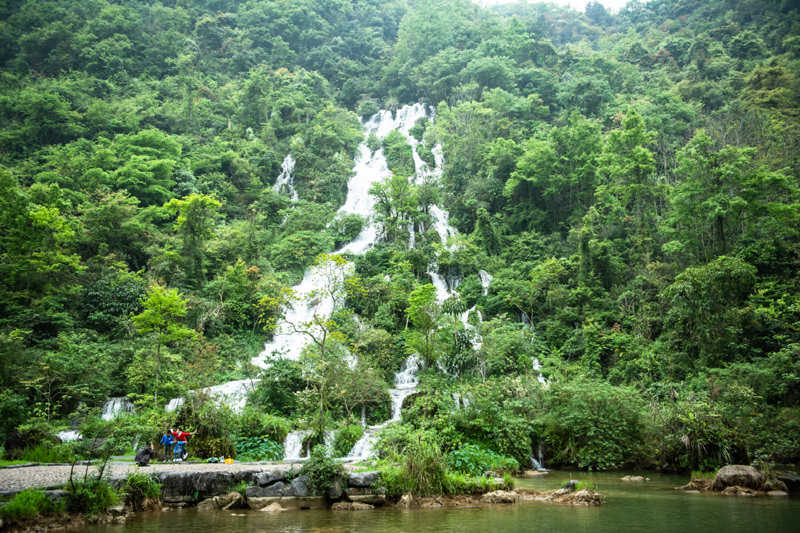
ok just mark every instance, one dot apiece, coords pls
pixel 139 488
pixel 240 487
pixel 699 474
pixel 43 454
pixel 26 504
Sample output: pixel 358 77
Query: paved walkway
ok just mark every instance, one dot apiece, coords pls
pixel 48 476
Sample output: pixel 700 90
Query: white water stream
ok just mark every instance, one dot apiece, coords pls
pixel 284 183
pixel 117 406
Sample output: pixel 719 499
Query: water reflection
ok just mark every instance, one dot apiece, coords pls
pixel 649 506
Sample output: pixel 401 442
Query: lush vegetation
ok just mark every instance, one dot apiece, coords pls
pixel 630 181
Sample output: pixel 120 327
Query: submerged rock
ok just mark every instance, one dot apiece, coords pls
pixel 632 478
pixel 407 500
pixel 274 507
pixel 739 491
pixel 351 506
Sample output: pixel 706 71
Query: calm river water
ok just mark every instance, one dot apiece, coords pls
pixel 650 506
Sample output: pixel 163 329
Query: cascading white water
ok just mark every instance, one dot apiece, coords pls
pixel 233 394
pixel 537 461
pixel 369 169
pixel 69 435
pixel 284 183
pixel 116 406
pixel 293 444
pixel 405 382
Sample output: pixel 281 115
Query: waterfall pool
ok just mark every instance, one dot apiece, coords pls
pixel 646 506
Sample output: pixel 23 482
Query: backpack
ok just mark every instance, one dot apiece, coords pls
pixel 167 440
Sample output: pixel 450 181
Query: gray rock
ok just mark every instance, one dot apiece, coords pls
pixel 363 479
pixel 572 484
pixel 55 495
pixel 275 490
pixel 248 476
pixel 271 476
pixel 790 479
pixel 177 487
pixel 117 510
pixel 299 487
pixel 777 493
pixel 335 491
pixel 739 476
pixel 489 474
pixel 775 484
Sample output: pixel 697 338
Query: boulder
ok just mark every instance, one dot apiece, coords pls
pixel 269 477
pixel 632 478
pixel 777 493
pixel 274 490
pixel 362 479
pixel 407 500
pixel 775 484
pixel 351 506
pixel 697 484
pixel 335 490
pixel 500 496
pixel 299 487
pixel 177 487
pixel 117 510
pixel 739 476
pixel 572 484
pixel 232 500
pixel 290 502
pixel 248 476
pixel 790 479
pixel 584 498
pixel 274 507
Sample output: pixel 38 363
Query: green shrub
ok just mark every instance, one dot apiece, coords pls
pixel 138 488
pixel 258 449
pixel 593 424
pixel 29 502
pixel 424 466
pixel 240 487
pixel 472 459
pixel 41 453
pixel 345 438
pixel 321 470
pixel 700 474
pixel 92 495
pixel 253 423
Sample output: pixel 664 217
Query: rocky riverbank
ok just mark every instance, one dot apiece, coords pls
pixel 742 480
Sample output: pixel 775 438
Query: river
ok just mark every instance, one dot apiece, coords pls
pixel 646 506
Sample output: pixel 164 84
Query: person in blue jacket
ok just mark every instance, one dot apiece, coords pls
pixel 167 441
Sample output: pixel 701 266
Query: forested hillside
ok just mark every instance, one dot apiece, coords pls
pixel 629 180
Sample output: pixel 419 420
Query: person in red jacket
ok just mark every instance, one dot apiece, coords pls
pixel 180 443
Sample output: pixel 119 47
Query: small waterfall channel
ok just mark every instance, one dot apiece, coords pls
pixel 116 406
pixel 233 394
pixel 284 184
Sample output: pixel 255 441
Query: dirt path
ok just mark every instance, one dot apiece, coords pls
pixel 48 476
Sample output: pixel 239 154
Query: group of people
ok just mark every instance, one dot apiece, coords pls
pixel 173 440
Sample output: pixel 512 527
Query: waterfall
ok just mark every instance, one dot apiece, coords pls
pixel 362 449
pixel 537 461
pixel 537 367
pixel 405 382
pixel 405 385
pixel 69 435
pixel 285 180
pixel 293 445
pixel 369 168
pixel 233 394
pixel 116 406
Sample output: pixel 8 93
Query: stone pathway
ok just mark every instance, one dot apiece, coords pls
pixel 48 476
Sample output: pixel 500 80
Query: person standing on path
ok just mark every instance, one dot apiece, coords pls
pixel 180 445
pixel 167 441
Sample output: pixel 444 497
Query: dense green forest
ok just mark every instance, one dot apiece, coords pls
pixel 630 181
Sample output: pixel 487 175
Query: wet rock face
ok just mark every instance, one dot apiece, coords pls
pixel 739 476
pixel 177 487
